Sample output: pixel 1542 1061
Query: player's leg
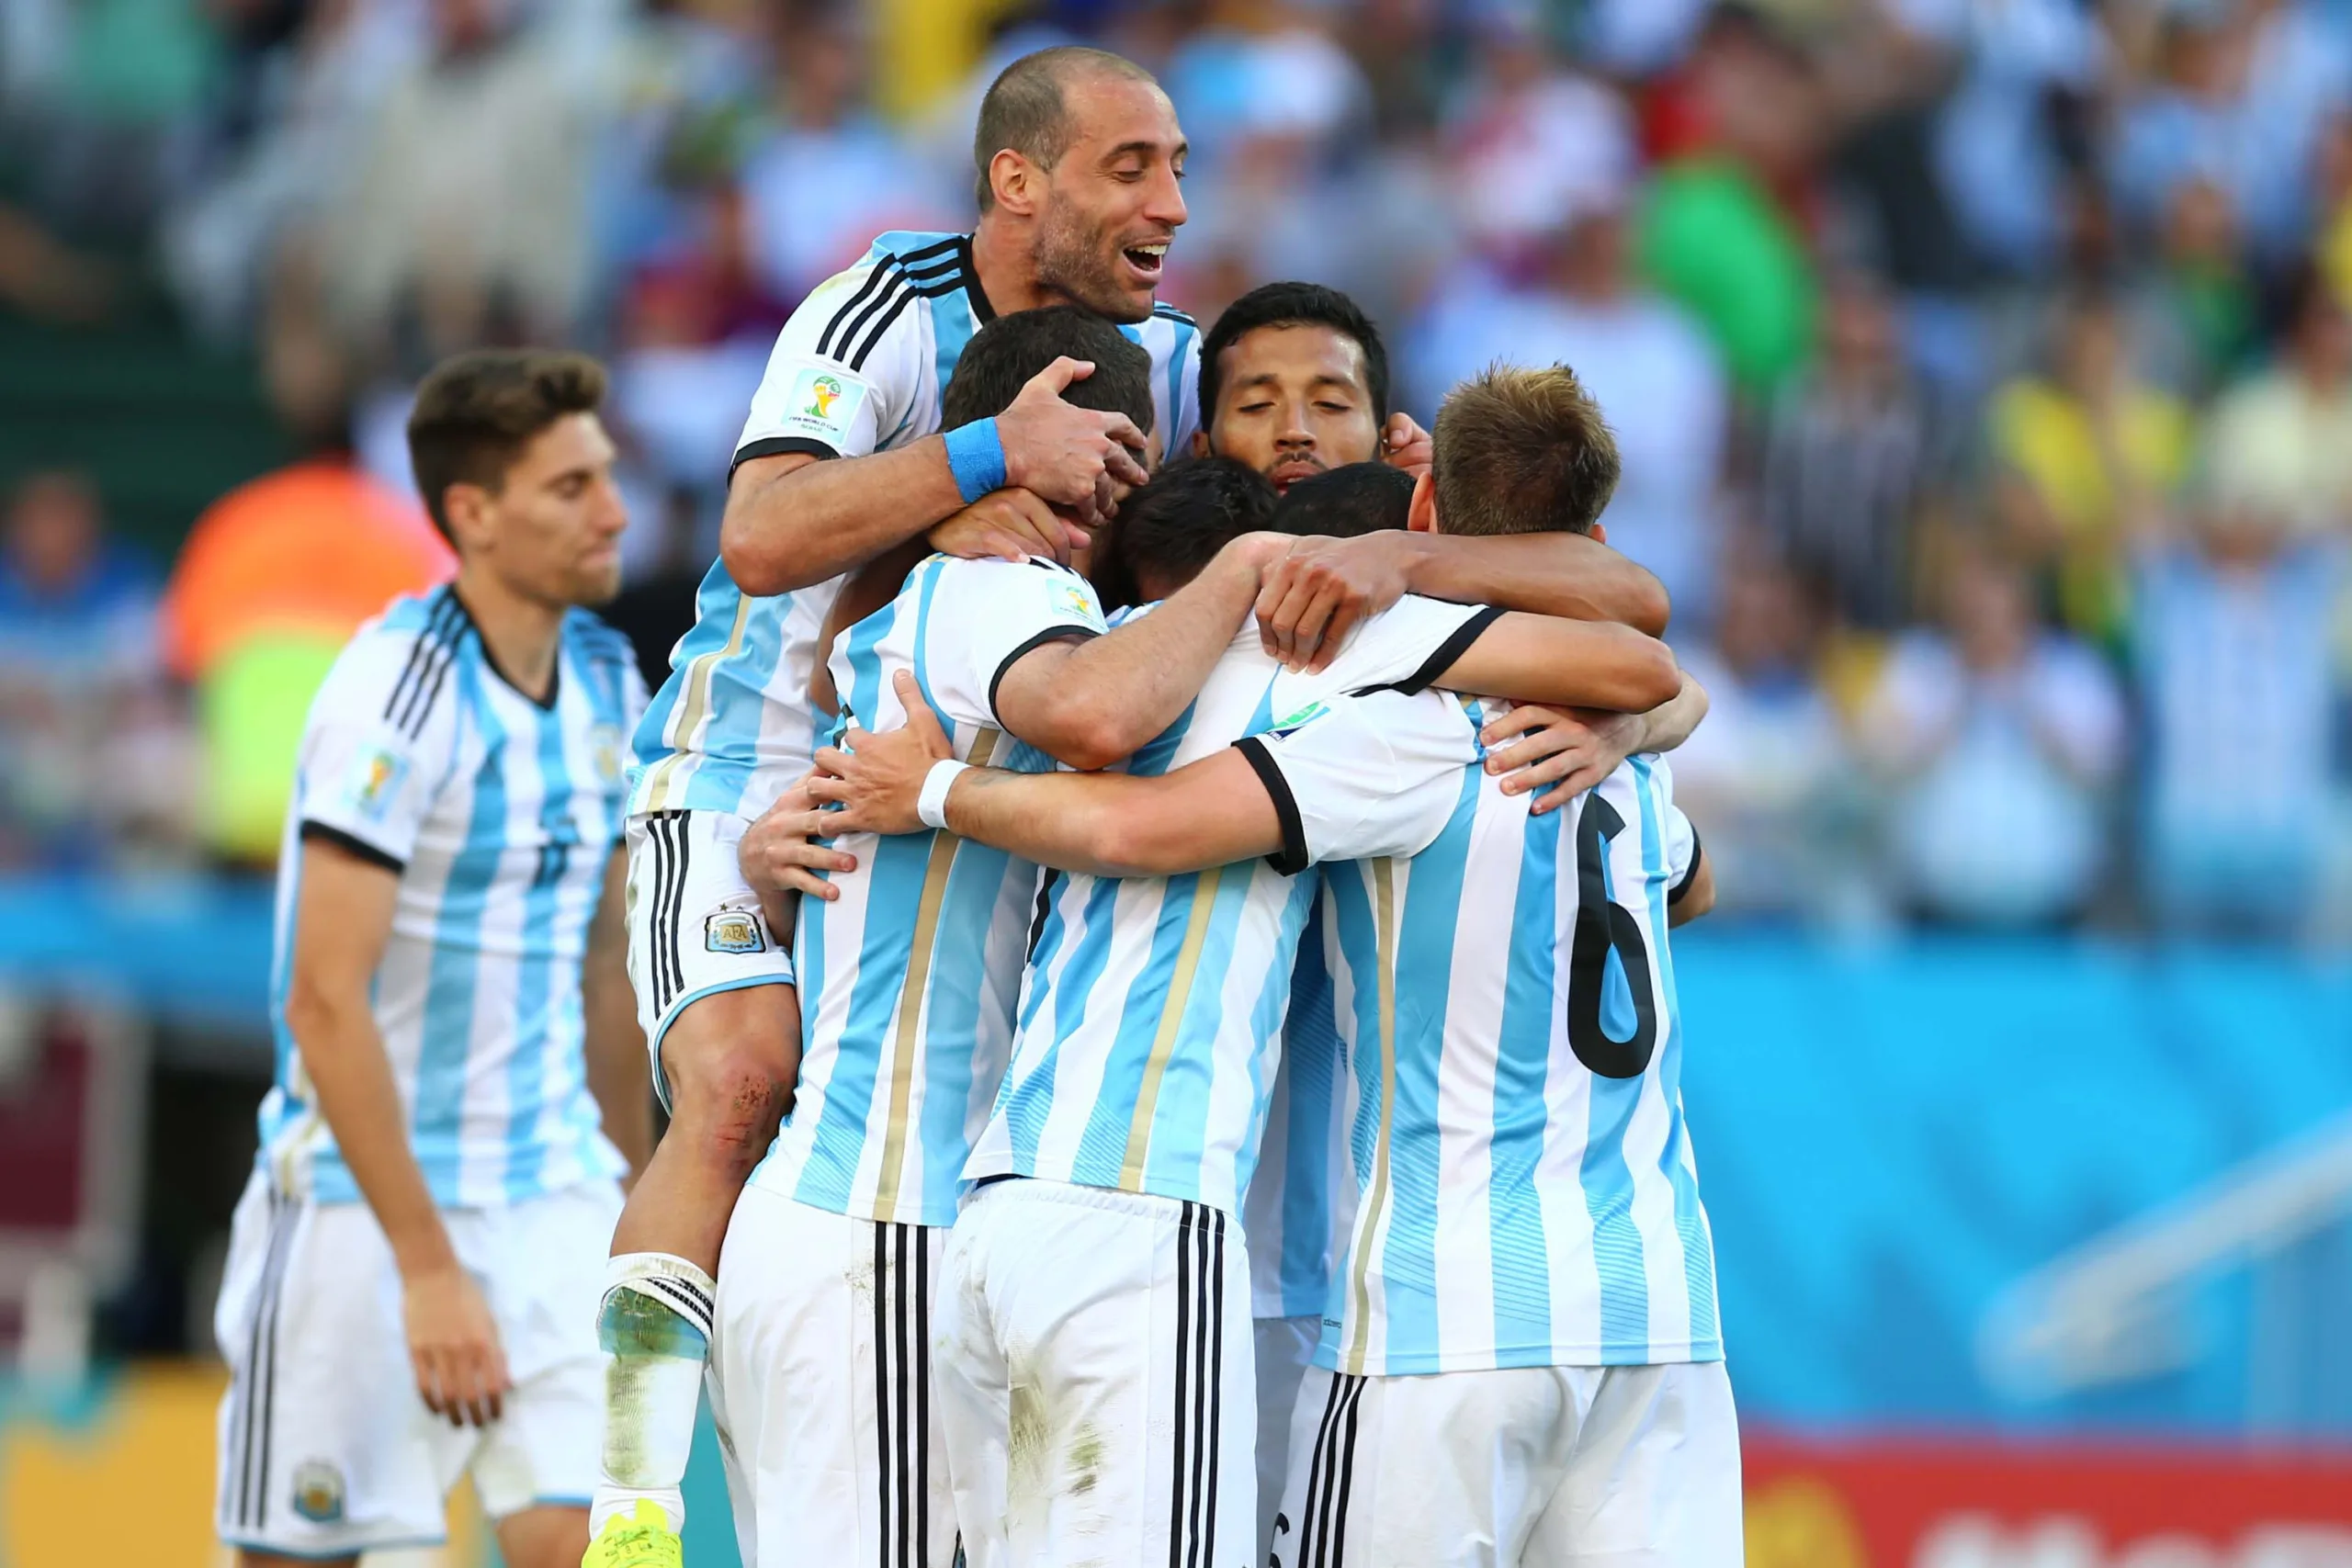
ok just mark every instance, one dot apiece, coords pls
pixel 1132 1396
pixel 1285 1350
pixel 325 1450
pixel 822 1367
pixel 539 1261
pixel 1654 1478
pixel 974 1382
pixel 1451 1468
pixel 713 986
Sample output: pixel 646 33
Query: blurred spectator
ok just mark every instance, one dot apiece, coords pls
pixel 2280 443
pixel 2244 91
pixel 81 689
pixel 1650 369
pixel 2087 458
pixel 2233 628
pixel 1854 456
pixel 1534 147
pixel 273 580
pixel 826 175
pixel 2192 310
pixel 1768 772
pixel 463 220
pixel 1999 741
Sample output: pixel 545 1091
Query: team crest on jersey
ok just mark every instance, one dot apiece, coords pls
pixel 375 778
pixel 824 404
pixel 318 1492
pixel 605 754
pixel 734 931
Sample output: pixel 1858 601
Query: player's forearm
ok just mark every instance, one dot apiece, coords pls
pixel 1113 694
pixel 1211 812
pixel 1564 663
pixel 617 1076
pixel 1672 722
pixel 1566 575
pixel 806 524
pixel 344 1056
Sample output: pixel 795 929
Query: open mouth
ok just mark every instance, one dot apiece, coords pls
pixel 1148 259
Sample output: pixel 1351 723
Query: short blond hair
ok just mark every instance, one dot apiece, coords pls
pixel 1522 451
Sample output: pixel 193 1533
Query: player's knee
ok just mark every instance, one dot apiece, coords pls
pixel 728 1097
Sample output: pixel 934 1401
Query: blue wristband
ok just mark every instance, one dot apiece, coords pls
pixel 976 456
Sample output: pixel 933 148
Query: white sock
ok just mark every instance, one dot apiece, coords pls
pixel 654 1325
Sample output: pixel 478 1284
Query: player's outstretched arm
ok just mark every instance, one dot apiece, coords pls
pixel 615 1044
pixel 794 519
pixel 1209 813
pixel 342 923
pixel 1090 704
pixel 1314 596
pixel 1543 659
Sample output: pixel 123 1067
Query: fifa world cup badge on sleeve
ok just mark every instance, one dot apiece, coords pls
pixel 376 774
pixel 824 404
pixel 1076 606
pixel 734 931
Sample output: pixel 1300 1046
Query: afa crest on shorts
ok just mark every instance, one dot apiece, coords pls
pixel 734 931
pixel 318 1492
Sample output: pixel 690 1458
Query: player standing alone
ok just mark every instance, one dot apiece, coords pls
pixel 451 1010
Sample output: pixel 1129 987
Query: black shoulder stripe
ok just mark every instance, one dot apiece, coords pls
pixel 884 271
pixel 438 625
pixel 895 289
pixel 874 338
pixel 1171 313
pixel 428 690
pixel 951 246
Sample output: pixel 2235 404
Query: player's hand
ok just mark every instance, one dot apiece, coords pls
pixel 1062 452
pixel 1405 445
pixel 779 852
pixel 1314 596
pixel 877 780
pixel 453 1345
pixel 1011 525
pixel 1570 751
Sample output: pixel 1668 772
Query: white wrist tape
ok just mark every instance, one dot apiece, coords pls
pixel 932 804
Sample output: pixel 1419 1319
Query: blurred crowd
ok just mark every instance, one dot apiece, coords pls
pixel 1981 368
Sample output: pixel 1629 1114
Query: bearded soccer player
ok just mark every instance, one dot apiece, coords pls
pixel 413 1266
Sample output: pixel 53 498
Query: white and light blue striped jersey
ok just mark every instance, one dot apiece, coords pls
pixel 500 814
pixel 1302 1195
pixel 1151 1010
pixel 858 369
pixel 907 980
pixel 1528 1192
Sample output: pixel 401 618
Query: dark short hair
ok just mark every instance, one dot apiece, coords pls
pixel 476 412
pixel 1025 110
pixel 1522 451
pixel 1293 305
pixel 1170 528
pixel 1356 498
pixel 1005 354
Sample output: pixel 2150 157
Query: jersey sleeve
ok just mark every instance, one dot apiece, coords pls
pixel 1363 776
pixel 1682 848
pixel 1184 406
pixel 376 745
pixel 983 615
pixel 846 370
pixel 1408 646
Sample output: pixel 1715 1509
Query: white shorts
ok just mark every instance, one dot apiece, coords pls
pixel 695 926
pixel 820 1388
pixel 1626 1467
pixel 326 1448
pixel 1286 1350
pixel 1094 1356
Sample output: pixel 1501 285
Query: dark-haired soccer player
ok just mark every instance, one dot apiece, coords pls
pixel 909 966
pixel 413 1265
pixel 1295 382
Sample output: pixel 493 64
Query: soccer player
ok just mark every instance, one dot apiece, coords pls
pixel 1531 1270
pixel 1140 1068
pixel 1295 382
pixel 845 458
pixel 909 972
pixel 413 1266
